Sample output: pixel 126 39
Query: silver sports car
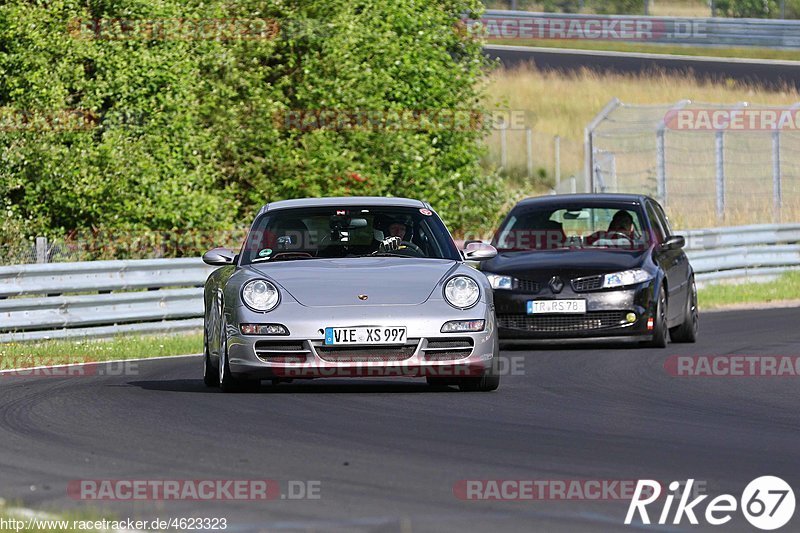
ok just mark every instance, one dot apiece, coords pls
pixel 349 287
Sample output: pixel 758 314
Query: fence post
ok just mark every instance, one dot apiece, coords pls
pixel 588 142
pixel 776 174
pixel 661 166
pixel 41 249
pixel 529 150
pixel 720 152
pixel 504 148
pixel 558 159
pixel 661 150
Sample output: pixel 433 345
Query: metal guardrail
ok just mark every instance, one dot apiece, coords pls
pixel 100 298
pixel 104 298
pixel 752 253
pixel 764 33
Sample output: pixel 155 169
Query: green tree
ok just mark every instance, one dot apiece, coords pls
pixel 748 8
pixel 190 134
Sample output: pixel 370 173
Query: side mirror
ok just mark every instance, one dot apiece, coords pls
pixel 478 251
pixel 219 257
pixel 674 242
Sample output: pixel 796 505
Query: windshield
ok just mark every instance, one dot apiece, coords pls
pixel 331 232
pixel 576 227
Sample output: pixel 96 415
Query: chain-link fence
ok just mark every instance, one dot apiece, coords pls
pixel 709 164
pixel 534 161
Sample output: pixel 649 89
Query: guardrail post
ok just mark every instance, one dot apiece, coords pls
pixel 41 249
pixel 720 152
pixel 776 174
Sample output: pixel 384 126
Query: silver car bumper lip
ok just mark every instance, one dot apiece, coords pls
pixel 410 360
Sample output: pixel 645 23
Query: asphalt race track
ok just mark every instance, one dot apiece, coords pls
pixel 760 72
pixel 387 454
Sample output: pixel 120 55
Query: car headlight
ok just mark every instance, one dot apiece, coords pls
pixel 260 295
pixel 462 292
pixel 625 278
pixel 500 282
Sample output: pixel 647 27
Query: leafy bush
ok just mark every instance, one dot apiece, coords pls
pixel 748 8
pixel 188 135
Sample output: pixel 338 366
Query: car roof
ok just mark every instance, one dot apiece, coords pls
pixel 344 201
pixel 555 200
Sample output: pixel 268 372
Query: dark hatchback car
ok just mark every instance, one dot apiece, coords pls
pixel 587 266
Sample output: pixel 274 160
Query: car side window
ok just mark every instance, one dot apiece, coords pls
pixel 655 222
pixel 662 218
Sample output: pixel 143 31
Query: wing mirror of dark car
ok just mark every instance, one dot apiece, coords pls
pixel 674 242
pixel 219 257
pixel 479 251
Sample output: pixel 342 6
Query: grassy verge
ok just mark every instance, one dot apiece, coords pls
pixel 13 519
pixel 559 104
pixel 614 46
pixel 787 287
pixel 28 354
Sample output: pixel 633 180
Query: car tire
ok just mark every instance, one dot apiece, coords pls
pixel 660 331
pixel 687 331
pixel 210 373
pixel 227 382
pixel 488 382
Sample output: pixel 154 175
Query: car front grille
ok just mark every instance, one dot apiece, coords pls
pixel 271 351
pixel 590 283
pixel 526 285
pixel 365 354
pixel 447 349
pixel 563 323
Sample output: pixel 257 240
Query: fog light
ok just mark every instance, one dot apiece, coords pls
pixel 630 317
pixel 460 326
pixel 650 323
pixel 263 329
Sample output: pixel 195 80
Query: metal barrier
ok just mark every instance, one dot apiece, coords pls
pixel 105 298
pixel 100 298
pixel 753 253
pixel 765 33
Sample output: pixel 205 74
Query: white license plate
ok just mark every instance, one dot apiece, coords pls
pixel 365 335
pixel 538 307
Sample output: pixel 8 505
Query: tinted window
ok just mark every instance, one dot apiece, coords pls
pixel 655 222
pixel 330 232
pixel 662 219
pixel 571 227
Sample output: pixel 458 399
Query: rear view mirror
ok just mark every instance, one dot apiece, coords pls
pixel 478 251
pixel 219 257
pixel 674 242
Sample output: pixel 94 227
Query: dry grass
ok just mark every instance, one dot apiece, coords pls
pixel 564 104
pixel 680 8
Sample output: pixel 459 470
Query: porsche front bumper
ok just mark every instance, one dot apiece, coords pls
pixel 303 354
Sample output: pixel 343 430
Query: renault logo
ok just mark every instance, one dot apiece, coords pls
pixel 362 297
pixel 556 284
